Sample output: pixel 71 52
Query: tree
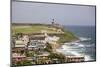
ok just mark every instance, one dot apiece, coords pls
pixel 30 54
pixel 24 62
pixel 18 35
pixel 58 56
pixel 48 47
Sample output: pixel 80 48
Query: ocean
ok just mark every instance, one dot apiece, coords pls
pixel 85 47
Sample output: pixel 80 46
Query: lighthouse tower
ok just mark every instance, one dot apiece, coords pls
pixel 53 22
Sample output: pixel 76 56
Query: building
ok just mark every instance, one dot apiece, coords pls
pixel 36 45
pixel 73 59
pixel 19 44
pixel 18 50
pixel 25 39
pixel 54 24
pixel 52 41
pixel 16 57
pixel 39 38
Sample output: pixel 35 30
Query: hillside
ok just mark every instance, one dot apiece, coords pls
pixel 65 36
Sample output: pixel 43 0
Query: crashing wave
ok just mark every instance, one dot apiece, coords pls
pixel 76 48
pixel 84 39
pixel 88 58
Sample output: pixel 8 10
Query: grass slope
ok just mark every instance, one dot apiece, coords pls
pixel 32 29
pixel 67 36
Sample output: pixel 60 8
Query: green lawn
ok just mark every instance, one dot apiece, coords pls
pixel 67 35
pixel 32 29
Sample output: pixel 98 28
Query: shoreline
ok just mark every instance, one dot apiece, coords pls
pixel 77 54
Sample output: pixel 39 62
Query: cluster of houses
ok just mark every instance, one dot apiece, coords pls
pixel 24 44
pixel 37 43
pixel 32 43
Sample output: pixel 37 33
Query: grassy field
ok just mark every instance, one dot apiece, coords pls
pixel 67 35
pixel 33 29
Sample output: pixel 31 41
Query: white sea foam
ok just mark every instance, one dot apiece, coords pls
pixel 75 53
pixel 76 48
pixel 75 43
pixel 66 50
pixel 90 45
pixel 84 39
pixel 79 44
pixel 88 58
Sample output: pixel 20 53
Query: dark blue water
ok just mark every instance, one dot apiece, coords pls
pixel 87 45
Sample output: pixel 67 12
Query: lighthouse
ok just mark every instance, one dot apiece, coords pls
pixel 53 22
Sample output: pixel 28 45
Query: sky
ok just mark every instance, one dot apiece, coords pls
pixel 30 12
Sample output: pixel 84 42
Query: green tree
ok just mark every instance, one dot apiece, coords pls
pixel 58 56
pixel 48 47
pixel 18 35
pixel 24 62
pixel 30 54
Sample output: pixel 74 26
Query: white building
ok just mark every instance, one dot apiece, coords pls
pixel 51 39
pixel 19 43
pixel 25 39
